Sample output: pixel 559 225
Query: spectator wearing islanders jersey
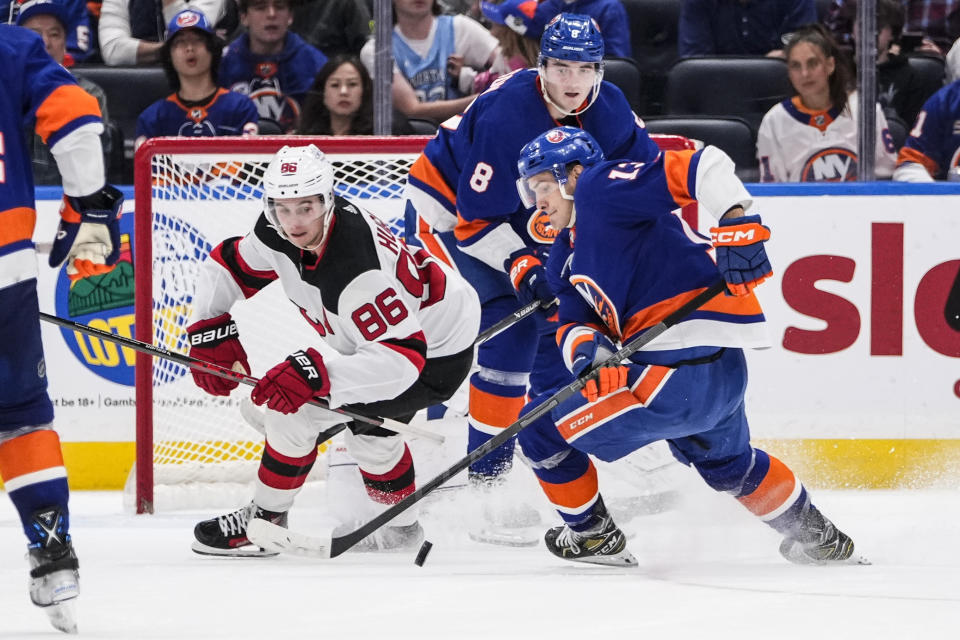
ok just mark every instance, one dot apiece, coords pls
pixel 610 16
pixel 269 63
pixel 812 136
pixel 932 150
pixel 197 107
pixel 72 14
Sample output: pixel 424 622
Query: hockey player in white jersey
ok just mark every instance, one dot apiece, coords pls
pixel 812 137
pixel 398 329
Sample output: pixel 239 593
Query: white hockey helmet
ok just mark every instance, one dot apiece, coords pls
pixel 297 172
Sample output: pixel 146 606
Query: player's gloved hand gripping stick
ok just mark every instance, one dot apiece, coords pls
pixel 274 538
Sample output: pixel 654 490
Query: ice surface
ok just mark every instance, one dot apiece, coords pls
pixel 708 569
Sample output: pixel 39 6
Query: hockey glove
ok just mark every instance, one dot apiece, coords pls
pixel 529 278
pixel 293 382
pixel 604 380
pixel 216 341
pixel 88 237
pixel 741 256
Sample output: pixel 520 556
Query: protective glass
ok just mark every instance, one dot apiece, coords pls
pixel 534 187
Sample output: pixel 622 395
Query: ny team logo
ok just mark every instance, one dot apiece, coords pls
pixel 834 164
pixel 556 136
pixel 188 19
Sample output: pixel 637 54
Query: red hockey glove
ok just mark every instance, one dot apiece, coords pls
pixel 604 380
pixel 216 341
pixel 741 256
pixel 529 278
pixel 293 382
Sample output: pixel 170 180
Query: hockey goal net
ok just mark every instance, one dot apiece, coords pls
pixel 195 450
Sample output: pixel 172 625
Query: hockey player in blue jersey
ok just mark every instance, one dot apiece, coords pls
pixel 932 150
pixel 39 92
pixel 623 262
pixel 463 207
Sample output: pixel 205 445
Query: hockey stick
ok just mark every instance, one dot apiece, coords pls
pixel 505 323
pixel 274 538
pixel 229 374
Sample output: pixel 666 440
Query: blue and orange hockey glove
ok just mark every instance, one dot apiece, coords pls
pixel 741 256
pixel 88 237
pixel 604 380
pixel 529 278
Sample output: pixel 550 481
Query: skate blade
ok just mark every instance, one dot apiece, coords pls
pixel 622 559
pixel 506 538
pixel 247 551
pixel 280 540
pixel 63 615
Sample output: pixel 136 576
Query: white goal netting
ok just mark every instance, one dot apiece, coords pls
pixel 191 194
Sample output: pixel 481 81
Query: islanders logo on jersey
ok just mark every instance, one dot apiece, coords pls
pixel 597 299
pixel 272 103
pixel 834 164
pixel 540 229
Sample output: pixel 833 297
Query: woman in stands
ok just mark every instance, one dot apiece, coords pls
pixel 813 136
pixel 340 102
pixel 519 37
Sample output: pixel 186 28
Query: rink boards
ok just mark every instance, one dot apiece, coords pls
pixel 860 388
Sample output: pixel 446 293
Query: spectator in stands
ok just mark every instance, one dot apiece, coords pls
pixel 740 27
pixel 269 63
pixel 340 102
pixel 518 33
pixel 937 20
pixel 333 26
pixel 72 14
pixel 48 18
pixel 197 107
pixel 813 136
pixel 610 15
pixel 932 150
pixel 132 31
pixel 436 59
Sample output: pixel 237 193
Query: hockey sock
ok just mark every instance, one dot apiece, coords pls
pixel 33 474
pixel 394 485
pixel 571 487
pixel 773 493
pixel 493 408
pixel 280 478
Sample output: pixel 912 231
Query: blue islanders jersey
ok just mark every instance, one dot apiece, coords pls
pixel 633 261
pixel 79 45
pixel 40 93
pixel 226 113
pixel 428 75
pixel 470 167
pixel 934 141
pixel 277 84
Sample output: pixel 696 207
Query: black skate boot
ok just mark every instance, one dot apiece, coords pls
pixel 54 575
pixel 226 535
pixel 603 543
pixel 820 542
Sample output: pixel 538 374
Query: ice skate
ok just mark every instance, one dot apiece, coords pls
pixel 819 542
pixel 226 535
pixel 396 538
pixel 503 519
pixel 603 543
pixel 54 575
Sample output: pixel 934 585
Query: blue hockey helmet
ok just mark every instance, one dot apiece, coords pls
pixel 572 36
pixel 554 151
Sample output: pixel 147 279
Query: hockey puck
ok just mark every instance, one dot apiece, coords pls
pixel 422 554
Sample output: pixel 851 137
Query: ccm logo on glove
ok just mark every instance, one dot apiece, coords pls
pixel 750 234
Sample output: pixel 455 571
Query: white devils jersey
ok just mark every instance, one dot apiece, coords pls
pixel 795 144
pixel 383 307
